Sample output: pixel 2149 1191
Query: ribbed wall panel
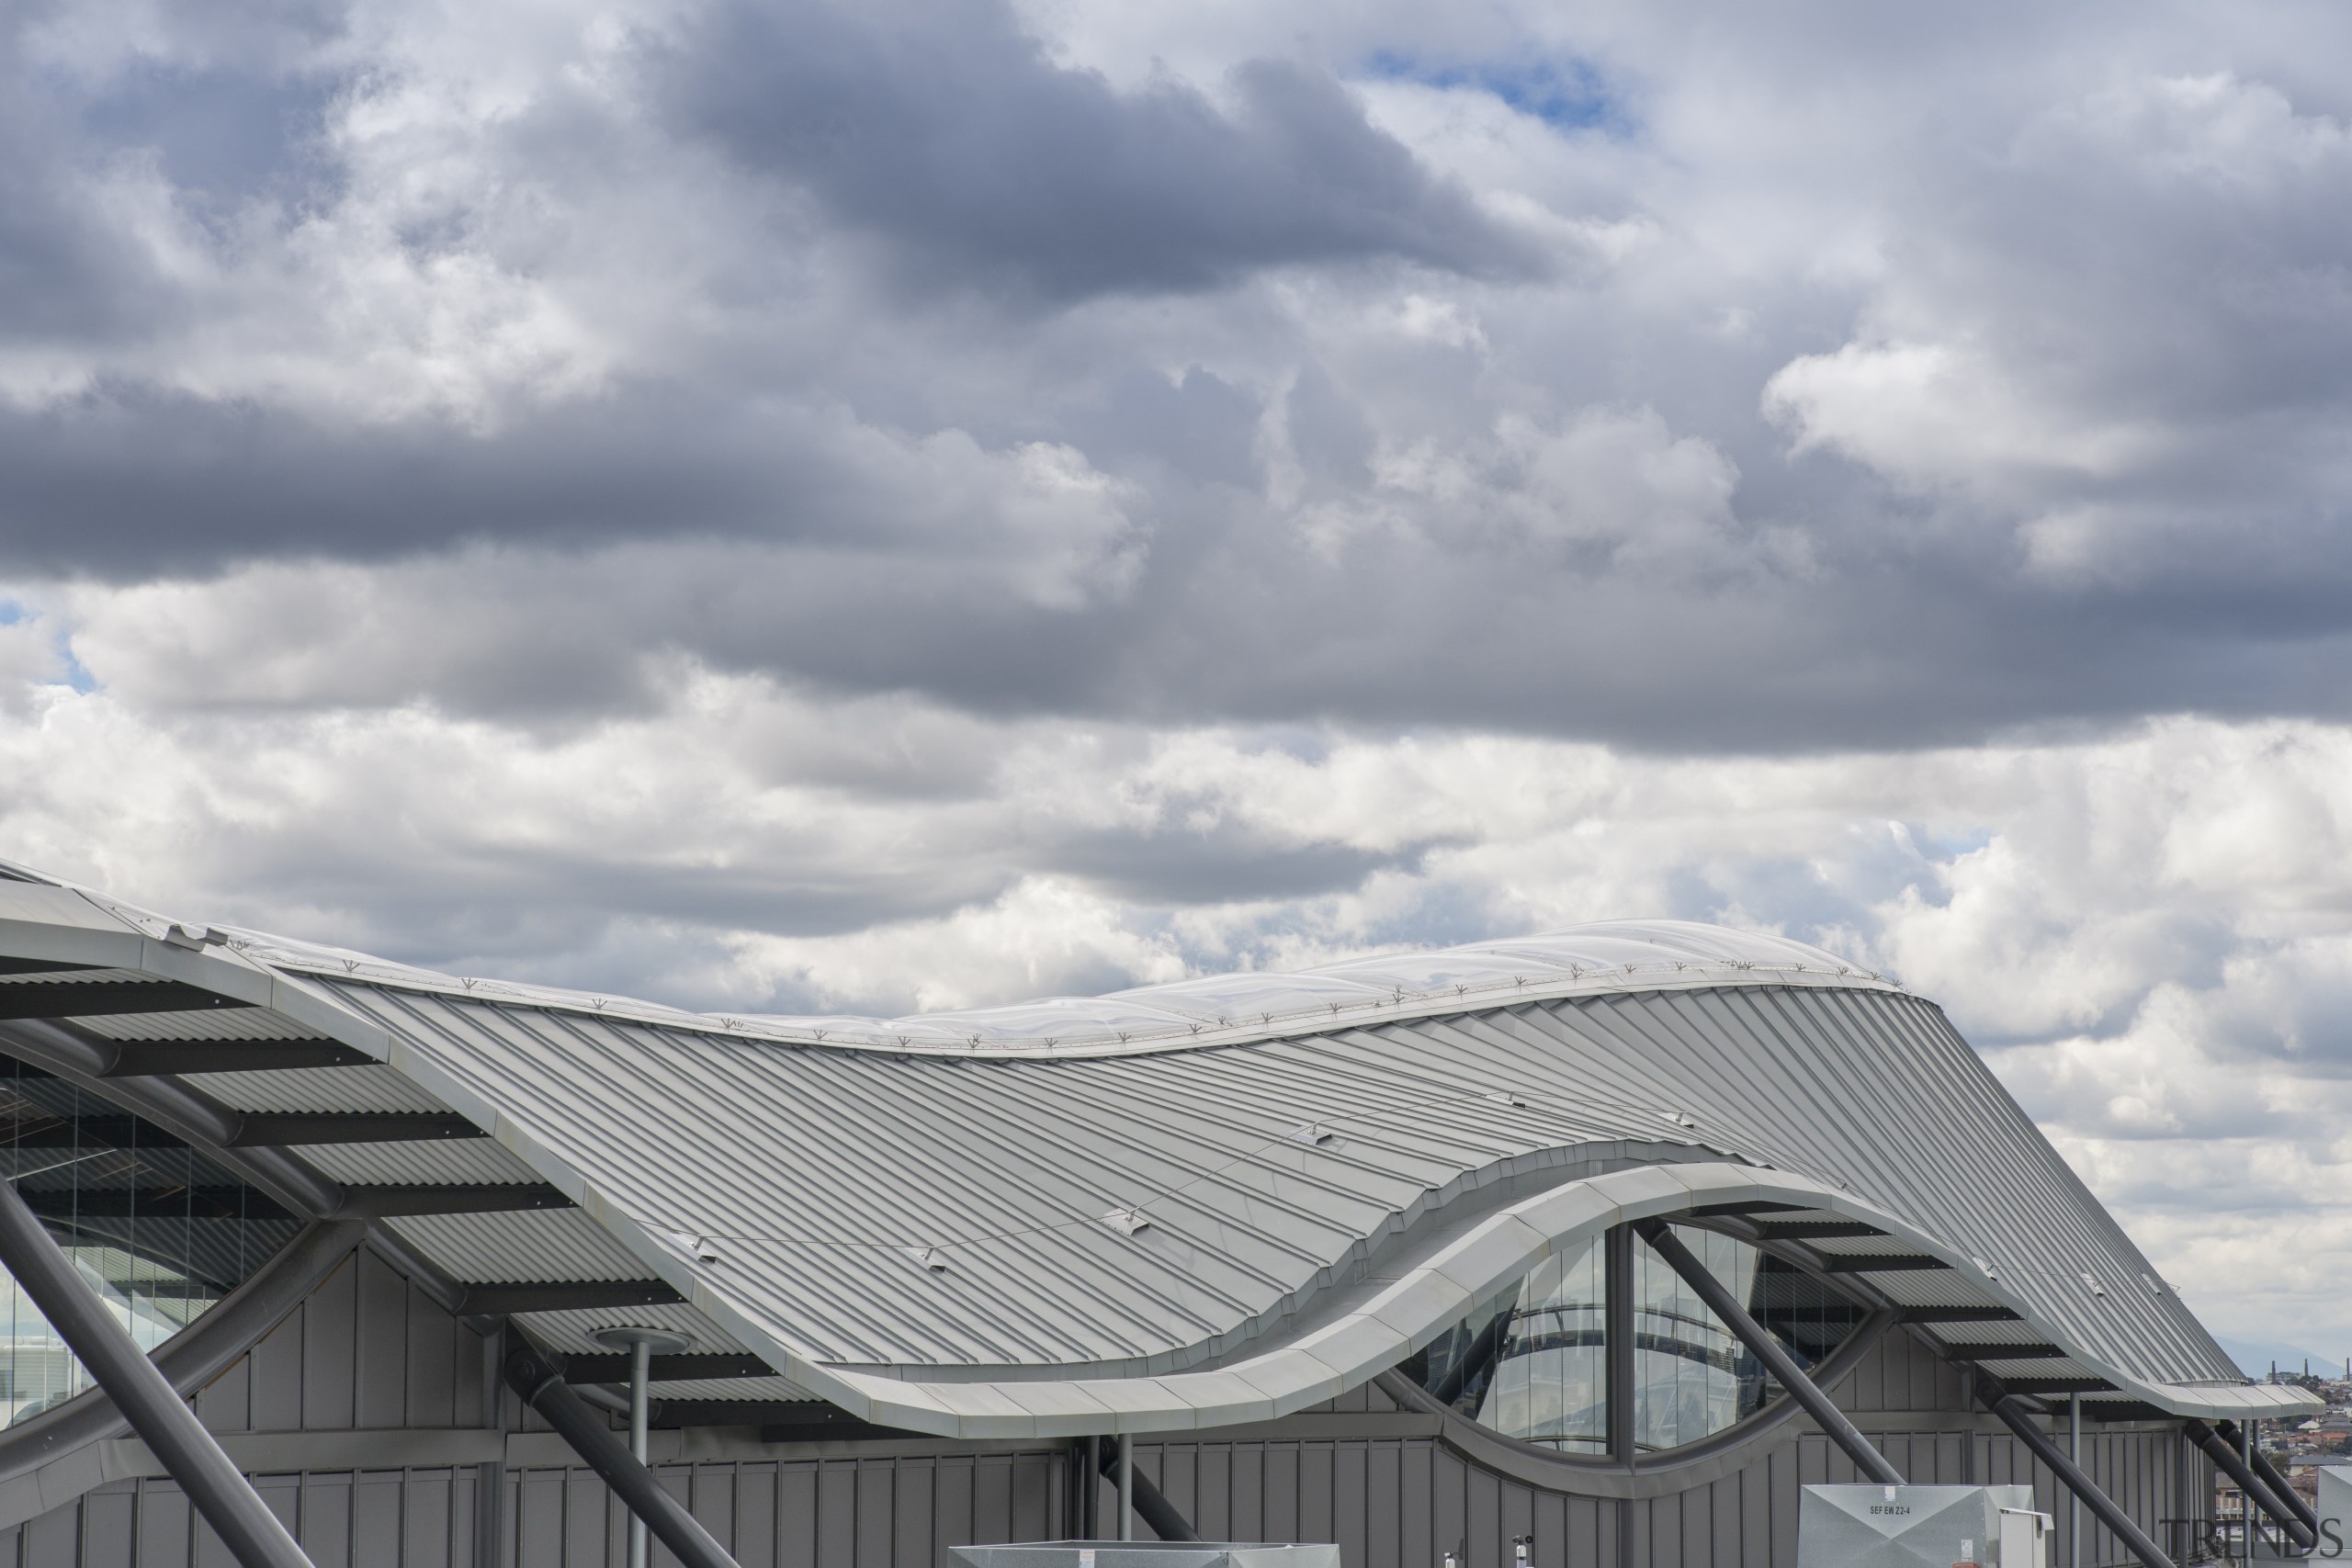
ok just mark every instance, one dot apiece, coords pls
pixel 539 1244
pixel 428 1161
pixel 229 1023
pixel 317 1088
pixel 365 1350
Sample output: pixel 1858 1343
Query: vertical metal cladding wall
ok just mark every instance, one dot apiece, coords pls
pixel 367 1352
pixel 1389 1504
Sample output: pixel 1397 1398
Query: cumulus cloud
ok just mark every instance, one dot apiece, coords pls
pixel 786 505
pixel 947 131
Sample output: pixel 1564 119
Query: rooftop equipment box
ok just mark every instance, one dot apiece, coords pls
pixel 2335 1509
pixel 1921 1526
pixel 1146 1554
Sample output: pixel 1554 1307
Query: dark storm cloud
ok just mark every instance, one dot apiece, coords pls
pixel 944 130
pixel 1454 492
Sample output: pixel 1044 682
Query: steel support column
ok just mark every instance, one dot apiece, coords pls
pixel 542 1387
pixel 1127 1477
pixel 226 1499
pixel 1617 1338
pixel 2073 1506
pixel 2278 1501
pixel 2279 1486
pixel 1153 1507
pixel 1767 1349
pixel 2246 1448
pixel 2011 1409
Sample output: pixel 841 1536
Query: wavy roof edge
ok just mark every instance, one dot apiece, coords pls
pixel 1604 958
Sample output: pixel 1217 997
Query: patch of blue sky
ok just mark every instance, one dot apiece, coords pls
pixel 70 670
pixel 1565 94
pixel 1949 847
pixel 77 675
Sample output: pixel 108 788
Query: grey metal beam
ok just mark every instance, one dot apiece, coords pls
pixel 1152 1505
pixel 158 1058
pixel 1478 1356
pixel 504 1299
pixel 2268 1471
pixel 37 966
pixel 2011 1409
pixel 392 1200
pixel 540 1383
pixel 275 1129
pixel 91 998
pixel 225 1498
pixel 1813 1230
pixel 2275 1496
pixel 697 1365
pixel 1769 1350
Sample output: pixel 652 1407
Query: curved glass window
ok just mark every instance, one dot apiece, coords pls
pixel 1534 1362
pixel 157 1229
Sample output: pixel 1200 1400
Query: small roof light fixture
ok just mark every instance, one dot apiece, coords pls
pixel 1505 1097
pixel 1682 1119
pixel 1988 1271
pixel 929 1258
pixel 701 1248
pixel 2092 1281
pixel 1126 1221
pixel 1313 1133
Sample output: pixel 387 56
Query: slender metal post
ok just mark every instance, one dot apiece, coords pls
pixel 226 1499
pixel 2246 1493
pixel 1126 1486
pixel 640 1344
pixel 2014 1414
pixel 543 1388
pixel 1760 1344
pixel 1156 1509
pixel 640 1371
pixel 2073 1506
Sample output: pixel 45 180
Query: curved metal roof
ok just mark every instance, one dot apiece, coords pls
pixel 1018 1222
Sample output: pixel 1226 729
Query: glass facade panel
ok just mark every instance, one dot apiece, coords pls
pixel 1533 1363
pixel 157 1229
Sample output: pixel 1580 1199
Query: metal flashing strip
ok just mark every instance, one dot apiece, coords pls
pixel 1357 1347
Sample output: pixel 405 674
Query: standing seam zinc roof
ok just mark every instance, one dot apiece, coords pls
pixel 1221 1198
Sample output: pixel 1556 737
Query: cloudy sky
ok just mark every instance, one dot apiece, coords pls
pixel 786 505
